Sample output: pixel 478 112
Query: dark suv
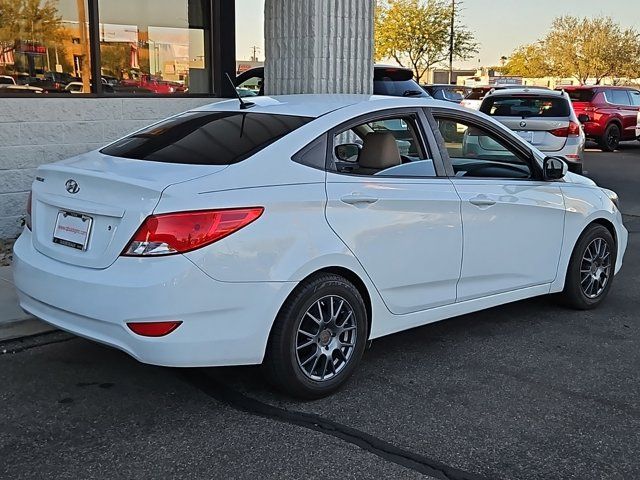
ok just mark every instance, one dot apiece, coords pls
pixel 387 80
pixel 609 115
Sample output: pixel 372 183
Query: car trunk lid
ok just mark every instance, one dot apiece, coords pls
pixel 86 209
pixel 537 131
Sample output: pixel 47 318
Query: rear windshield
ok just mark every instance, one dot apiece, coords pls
pixel 581 95
pixel 396 82
pixel 405 88
pixel 206 138
pixel 526 106
pixel 477 94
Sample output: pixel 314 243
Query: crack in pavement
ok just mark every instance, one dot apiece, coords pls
pixel 371 444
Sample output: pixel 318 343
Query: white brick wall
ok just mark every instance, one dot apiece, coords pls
pixel 34 131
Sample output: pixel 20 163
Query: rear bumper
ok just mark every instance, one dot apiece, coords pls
pixel 223 323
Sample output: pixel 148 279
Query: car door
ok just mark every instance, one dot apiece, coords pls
pixel 393 207
pixel 628 113
pixel 635 102
pixel 512 220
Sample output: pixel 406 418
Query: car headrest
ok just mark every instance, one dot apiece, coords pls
pixel 379 151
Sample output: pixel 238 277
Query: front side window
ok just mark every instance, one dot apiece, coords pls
pixel 44 47
pixel 526 106
pixel 206 138
pixel 155 46
pixel 386 147
pixel 617 97
pixel 476 152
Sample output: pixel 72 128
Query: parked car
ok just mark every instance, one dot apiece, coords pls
pixel 53 82
pixel 7 80
pixel 233 236
pixel 449 93
pixel 474 99
pixel 543 118
pixel 74 87
pixel 154 84
pixel 608 114
pixel 387 80
pixel 10 89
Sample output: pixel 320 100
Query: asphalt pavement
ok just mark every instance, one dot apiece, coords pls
pixel 529 390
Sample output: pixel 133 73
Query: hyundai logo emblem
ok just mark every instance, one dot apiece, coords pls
pixel 72 186
pixel 523 124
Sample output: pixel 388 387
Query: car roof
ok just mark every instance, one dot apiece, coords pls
pixel 507 92
pixel 314 105
pixel 594 87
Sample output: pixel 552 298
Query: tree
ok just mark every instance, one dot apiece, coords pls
pixel 582 48
pixel 31 20
pixel 528 61
pixel 415 33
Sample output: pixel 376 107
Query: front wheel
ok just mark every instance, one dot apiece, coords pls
pixel 611 138
pixel 318 337
pixel 591 269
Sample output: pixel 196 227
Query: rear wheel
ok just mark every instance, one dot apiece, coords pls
pixel 318 338
pixel 591 269
pixel 611 138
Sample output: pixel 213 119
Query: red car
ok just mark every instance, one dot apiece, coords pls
pixel 154 84
pixel 609 115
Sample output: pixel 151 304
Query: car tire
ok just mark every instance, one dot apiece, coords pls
pixel 610 141
pixel 591 269
pixel 311 352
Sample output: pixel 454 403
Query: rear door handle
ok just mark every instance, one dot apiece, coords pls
pixel 482 201
pixel 355 199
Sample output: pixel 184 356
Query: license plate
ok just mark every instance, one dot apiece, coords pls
pixel 72 230
pixel 527 136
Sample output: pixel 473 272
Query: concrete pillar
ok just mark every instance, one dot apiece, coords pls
pixel 318 46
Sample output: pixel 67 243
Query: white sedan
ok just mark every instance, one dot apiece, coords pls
pixel 293 230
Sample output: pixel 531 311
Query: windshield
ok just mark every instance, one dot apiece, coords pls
pixel 526 106
pixel 581 95
pixel 206 138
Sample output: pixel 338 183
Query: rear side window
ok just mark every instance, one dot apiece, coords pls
pixel 526 106
pixel 635 97
pixel 617 97
pixel 206 138
pixel 582 95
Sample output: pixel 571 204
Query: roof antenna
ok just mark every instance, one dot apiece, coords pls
pixel 243 105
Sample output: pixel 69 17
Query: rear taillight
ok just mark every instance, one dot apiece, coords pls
pixel 573 130
pixel 183 232
pixel 153 329
pixel 27 220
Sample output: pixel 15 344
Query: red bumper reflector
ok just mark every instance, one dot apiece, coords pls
pixel 153 329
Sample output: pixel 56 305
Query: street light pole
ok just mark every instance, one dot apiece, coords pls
pixel 451 40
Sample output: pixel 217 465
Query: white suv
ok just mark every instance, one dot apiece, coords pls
pixel 544 118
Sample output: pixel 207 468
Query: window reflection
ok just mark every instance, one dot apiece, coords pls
pixel 44 47
pixel 154 46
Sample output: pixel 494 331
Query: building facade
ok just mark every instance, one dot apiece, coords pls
pixel 77 74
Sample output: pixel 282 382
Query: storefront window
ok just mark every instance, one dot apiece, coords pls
pixel 44 47
pixel 155 46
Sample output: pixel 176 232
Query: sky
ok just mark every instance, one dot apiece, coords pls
pixel 500 26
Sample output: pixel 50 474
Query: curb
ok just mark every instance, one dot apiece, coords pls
pixel 15 329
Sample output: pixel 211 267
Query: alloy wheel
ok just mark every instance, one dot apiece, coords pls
pixel 326 338
pixel 595 268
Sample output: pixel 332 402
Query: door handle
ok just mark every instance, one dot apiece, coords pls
pixel 355 199
pixel 482 201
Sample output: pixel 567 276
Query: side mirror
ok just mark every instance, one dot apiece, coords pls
pixel 583 118
pixel 554 168
pixel 348 152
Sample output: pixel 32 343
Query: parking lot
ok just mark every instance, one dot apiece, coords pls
pixel 524 391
